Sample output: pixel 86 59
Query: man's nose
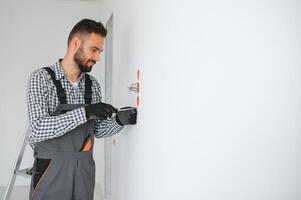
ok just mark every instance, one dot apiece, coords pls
pixel 97 57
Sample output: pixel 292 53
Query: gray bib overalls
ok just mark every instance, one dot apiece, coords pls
pixel 64 167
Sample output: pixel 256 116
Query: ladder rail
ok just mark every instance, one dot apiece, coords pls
pixel 17 164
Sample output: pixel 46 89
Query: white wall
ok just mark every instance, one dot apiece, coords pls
pixel 33 34
pixel 220 99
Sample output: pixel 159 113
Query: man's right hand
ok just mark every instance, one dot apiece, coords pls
pixel 99 111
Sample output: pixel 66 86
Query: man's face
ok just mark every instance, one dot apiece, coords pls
pixel 89 52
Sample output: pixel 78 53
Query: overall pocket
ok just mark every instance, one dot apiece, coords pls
pixel 40 172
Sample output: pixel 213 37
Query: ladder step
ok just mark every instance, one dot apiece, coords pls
pixel 27 172
pixel 16 171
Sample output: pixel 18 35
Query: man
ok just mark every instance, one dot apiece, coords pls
pixel 65 113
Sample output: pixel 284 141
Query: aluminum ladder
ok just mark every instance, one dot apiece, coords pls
pixel 16 171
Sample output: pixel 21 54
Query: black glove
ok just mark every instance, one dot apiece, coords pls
pixel 126 116
pixel 99 111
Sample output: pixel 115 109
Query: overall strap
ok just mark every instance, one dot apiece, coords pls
pixel 88 89
pixel 60 90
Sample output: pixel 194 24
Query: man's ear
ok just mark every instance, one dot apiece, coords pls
pixel 75 43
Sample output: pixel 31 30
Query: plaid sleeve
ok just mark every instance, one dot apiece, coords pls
pixel 106 127
pixel 43 126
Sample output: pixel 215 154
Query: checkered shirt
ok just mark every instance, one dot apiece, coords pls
pixel 42 102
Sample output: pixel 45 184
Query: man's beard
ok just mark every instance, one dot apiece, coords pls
pixel 79 59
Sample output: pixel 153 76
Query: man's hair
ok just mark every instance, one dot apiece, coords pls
pixel 87 26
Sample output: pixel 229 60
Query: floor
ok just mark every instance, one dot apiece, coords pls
pixel 21 193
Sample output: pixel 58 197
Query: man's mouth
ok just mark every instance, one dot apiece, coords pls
pixel 91 63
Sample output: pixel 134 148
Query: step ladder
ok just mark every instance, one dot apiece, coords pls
pixel 16 171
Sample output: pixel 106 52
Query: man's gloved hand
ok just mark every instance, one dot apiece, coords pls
pixel 126 116
pixel 99 111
